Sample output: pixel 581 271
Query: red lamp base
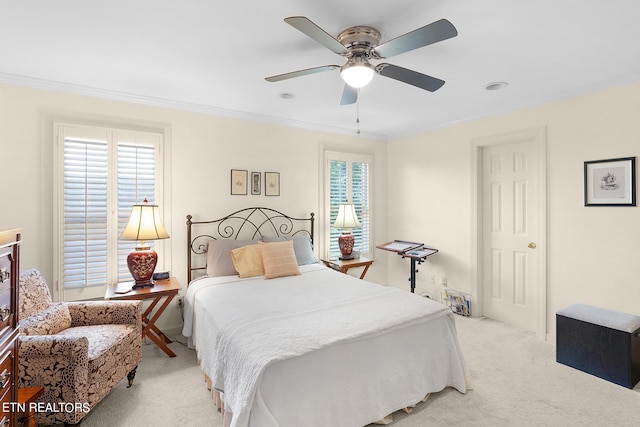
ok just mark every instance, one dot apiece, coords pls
pixel 142 262
pixel 345 243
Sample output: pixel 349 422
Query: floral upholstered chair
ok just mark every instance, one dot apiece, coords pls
pixel 78 351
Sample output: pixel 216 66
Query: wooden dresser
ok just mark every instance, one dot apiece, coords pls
pixel 9 271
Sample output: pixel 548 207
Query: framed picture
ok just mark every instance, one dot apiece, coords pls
pixel 239 182
pixel 610 182
pixel 256 183
pixel 272 183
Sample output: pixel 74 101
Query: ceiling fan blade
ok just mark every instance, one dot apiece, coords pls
pixel 300 73
pixel 318 34
pixel 429 34
pixel 410 77
pixel 349 95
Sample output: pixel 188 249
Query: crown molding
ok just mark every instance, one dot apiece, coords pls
pixel 75 89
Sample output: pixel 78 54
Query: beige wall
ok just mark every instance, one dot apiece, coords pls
pixel 593 252
pixel 202 150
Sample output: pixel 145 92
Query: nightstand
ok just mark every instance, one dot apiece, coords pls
pixel 345 265
pixel 26 397
pixel 162 289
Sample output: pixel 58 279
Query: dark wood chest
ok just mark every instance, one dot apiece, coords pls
pixel 9 272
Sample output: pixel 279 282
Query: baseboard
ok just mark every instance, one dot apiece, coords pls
pixel 551 339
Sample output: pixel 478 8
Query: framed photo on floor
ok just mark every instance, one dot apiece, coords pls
pixel 610 182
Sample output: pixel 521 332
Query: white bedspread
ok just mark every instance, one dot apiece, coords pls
pixel 240 327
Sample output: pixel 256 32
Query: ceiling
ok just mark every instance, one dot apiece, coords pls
pixel 213 56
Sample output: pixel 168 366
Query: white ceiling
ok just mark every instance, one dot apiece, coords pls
pixel 213 56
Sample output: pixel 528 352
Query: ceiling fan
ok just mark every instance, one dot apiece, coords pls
pixel 361 44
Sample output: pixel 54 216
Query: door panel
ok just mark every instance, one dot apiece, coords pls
pixel 509 224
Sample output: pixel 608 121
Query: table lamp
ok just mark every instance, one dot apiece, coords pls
pixel 346 219
pixel 144 224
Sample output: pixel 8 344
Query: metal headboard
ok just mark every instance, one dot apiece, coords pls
pixel 249 223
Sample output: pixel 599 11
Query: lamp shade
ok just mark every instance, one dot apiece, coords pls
pixel 347 217
pixel 144 224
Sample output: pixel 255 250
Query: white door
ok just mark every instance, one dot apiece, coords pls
pixel 510 233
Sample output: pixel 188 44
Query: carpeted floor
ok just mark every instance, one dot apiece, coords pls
pixel 516 383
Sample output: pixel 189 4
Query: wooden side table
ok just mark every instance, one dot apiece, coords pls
pixel 167 289
pixel 27 395
pixel 346 265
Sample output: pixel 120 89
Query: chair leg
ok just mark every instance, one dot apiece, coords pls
pixel 131 375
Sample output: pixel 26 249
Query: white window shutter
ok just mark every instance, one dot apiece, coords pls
pixel 349 179
pixel 136 182
pixel 103 172
pixel 85 213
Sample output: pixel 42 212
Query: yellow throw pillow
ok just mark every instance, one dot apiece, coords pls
pixel 247 260
pixel 279 259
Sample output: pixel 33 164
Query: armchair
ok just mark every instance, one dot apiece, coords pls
pixel 78 351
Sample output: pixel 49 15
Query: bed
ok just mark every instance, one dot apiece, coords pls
pixel 304 344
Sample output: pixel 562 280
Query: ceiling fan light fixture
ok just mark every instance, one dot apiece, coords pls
pixel 357 72
pixel 360 44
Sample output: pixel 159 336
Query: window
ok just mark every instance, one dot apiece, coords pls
pixel 101 173
pixel 349 178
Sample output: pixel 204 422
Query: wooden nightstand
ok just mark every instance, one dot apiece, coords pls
pixel 344 266
pixel 26 396
pixel 162 289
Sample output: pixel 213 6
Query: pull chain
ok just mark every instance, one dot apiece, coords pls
pixel 358 111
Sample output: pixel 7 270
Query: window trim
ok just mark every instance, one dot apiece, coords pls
pixel 113 134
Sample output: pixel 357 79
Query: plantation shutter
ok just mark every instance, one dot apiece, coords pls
pixel 104 173
pixel 85 213
pixel 136 182
pixel 349 178
pixel 360 199
pixel 338 193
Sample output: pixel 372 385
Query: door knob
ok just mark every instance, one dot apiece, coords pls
pixel 531 245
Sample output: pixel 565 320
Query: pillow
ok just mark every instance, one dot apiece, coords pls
pixel 271 239
pixel 303 250
pixel 279 259
pixel 301 247
pixel 219 262
pixel 54 319
pixel 247 261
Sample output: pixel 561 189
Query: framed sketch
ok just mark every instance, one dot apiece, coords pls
pixel 610 182
pixel 256 183
pixel 272 183
pixel 239 182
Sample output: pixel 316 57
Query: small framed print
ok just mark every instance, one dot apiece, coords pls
pixel 272 183
pixel 239 182
pixel 256 183
pixel 610 182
